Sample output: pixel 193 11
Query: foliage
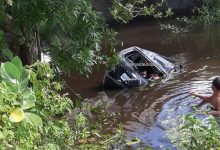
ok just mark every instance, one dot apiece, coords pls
pixel 71 32
pixel 32 113
pixel 174 29
pixel 2 16
pixel 204 16
pixel 5 53
pixel 88 123
pixel 88 135
pixel 28 121
pixel 207 14
pixel 127 10
pixel 76 34
pixel 196 134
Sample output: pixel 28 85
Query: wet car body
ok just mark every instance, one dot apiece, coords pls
pixel 139 67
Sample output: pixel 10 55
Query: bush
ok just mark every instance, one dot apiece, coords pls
pixel 206 15
pixel 33 113
pixel 29 108
pixel 196 134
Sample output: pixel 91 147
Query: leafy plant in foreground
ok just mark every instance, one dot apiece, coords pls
pixel 32 113
pixel 196 134
pixel 15 79
pixel 27 121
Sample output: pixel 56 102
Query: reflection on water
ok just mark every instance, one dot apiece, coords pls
pixel 147 113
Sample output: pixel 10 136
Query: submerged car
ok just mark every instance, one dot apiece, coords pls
pixel 139 67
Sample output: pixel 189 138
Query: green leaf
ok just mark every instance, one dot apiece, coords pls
pixel 1 135
pixel 3 73
pixel 24 80
pixel 7 53
pixel 11 70
pixel 17 62
pixel 34 119
pixel 28 100
pixel 15 102
pixel 12 86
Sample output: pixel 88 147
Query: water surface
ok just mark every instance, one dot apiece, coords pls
pixel 147 113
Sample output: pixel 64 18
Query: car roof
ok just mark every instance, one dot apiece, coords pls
pixel 158 60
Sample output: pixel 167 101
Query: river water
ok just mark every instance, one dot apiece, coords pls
pixel 148 113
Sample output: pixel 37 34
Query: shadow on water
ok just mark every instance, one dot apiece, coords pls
pixel 147 113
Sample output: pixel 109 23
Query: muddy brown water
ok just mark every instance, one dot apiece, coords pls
pixel 148 113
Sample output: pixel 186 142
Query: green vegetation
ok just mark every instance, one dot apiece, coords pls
pixel 33 113
pixel 206 15
pixel 196 134
pixel 127 10
pixel 32 116
pixel 71 32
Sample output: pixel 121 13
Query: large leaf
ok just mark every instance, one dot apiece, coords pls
pixel 11 70
pixel 16 115
pixel 34 119
pixel 28 100
pixel 12 86
pixel 3 73
pixel 24 80
pixel 17 62
pixel 9 81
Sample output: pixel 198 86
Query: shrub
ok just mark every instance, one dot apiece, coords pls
pixel 31 110
pixel 196 134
